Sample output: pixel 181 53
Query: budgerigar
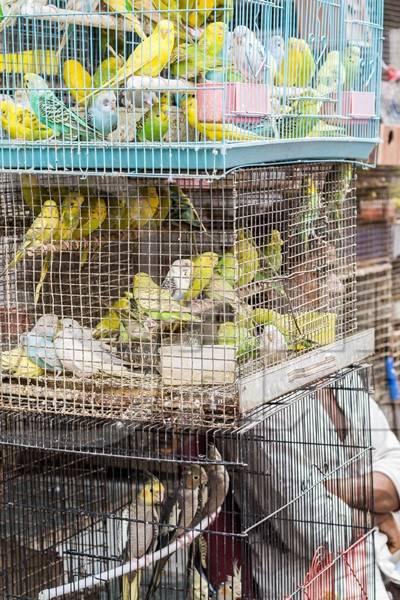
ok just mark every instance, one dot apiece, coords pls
pixel 247 255
pixel 21 123
pixel 93 214
pixel 273 253
pixel 220 290
pixel 298 67
pixel 154 126
pixel 103 113
pixel 69 221
pixel 179 278
pixel 125 9
pixel 336 189
pixel 276 47
pixel 352 67
pixel 182 509
pixel 331 76
pixel 142 206
pixel 39 344
pixel 198 17
pixel 77 79
pixel 157 303
pixel 42 231
pixel 27 369
pixel 217 132
pixel 203 269
pixel 310 211
pixel 228 268
pixel 54 114
pixel 9 359
pixel 250 57
pixel 273 345
pixel 241 338
pixel 149 57
pixel 83 356
pixel 138 530
pixel 109 324
pixel 106 70
pixel 139 98
pixel 190 60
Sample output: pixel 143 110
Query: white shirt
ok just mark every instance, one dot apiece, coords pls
pixel 298 449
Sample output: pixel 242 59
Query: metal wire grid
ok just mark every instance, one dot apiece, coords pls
pixel 62 510
pixel 282 244
pixel 374 310
pixel 299 73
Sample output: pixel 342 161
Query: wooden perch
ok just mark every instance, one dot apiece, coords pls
pixel 70 17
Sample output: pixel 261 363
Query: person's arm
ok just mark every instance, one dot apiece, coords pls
pixel 378 494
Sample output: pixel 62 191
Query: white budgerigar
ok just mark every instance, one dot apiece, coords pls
pixel 273 344
pixel 179 278
pixel 139 93
pixel 250 57
pixel 103 115
pixel 276 48
pixel 84 356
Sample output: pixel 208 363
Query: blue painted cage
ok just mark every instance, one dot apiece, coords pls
pixel 169 87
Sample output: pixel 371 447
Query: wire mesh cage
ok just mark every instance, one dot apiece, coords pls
pixel 176 291
pixel 173 87
pixel 250 513
pixel 374 310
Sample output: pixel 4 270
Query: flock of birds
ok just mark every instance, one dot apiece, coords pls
pixel 155 519
pixel 195 288
pixel 163 71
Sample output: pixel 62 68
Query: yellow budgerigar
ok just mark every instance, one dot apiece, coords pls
pixel 197 17
pixel 110 323
pixel 149 57
pixel 143 207
pixel 190 60
pixel 203 269
pixel 248 257
pixel 69 221
pixel 42 231
pixel 217 132
pixel 77 80
pixel 41 62
pixel 298 67
pixel 21 123
pixel 124 8
pixel 93 215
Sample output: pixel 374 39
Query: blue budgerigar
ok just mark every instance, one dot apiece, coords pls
pixel 54 114
pixel 103 114
pixel 39 344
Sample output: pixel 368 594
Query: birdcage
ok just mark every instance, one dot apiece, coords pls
pixel 165 87
pixel 374 309
pixel 242 514
pixel 188 292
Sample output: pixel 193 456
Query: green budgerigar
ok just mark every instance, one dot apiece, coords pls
pixel 331 76
pixel 189 60
pixel 54 114
pixel 228 268
pixel 157 303
pixel 273 253
pixel 310 213
pixel 352 67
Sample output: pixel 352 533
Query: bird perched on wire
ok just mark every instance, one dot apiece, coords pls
pixel 53 113
pixel 273 253
pixel 38 344
pixel 241 338
pixel 190 60
pixel 352 67
pixel 218 482
pixel 149 57
pixel 179 278
pixel 217 132
pixel 337 186
pixel 298 67
pixel 77 79
pixel 83 356
pixel 157 303
pixel 250 58
pixel 203 267
pixel 138 530
pixel 248 257
pixel 155 126
pixel 180 512
pixel 103 113
pixel 331 76
pixel 273 345
pixel 309 215
pixel 42 231
pixel 110 323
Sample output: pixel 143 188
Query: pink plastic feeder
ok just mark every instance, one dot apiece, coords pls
pixel 233 102
pixel 359 105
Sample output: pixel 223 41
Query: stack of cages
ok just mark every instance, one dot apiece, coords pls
pixel 269 509
pixel 163 298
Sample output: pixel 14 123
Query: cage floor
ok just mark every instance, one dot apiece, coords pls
pixel 180 160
